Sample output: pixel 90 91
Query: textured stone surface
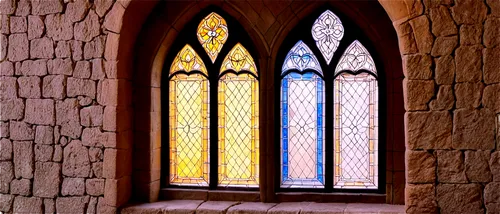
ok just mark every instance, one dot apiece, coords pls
pixel 47 179
pixel 91 116
pixel 59 27
pixel 4 130
pixel 88 28
pixel 95 48
pixel 428 130
pixel 41 48
pixel 491 97
pixel 8 87
pixel 82 69
pixel 33 68
pixel 20 187
pixel 23 159
pixel 27 205
pixel 42 7
pixel 442 23
pixel 420 198
pixel 112 21
pixel 93 137
pixel 468 95
pixel 18 49
pixel 63 49
pixel 49 205
pixel 216 207
pixel 54 86
pixel 76 161
pixel 40 111
pixel 71 204
pixel 460 198
pixel 11 109
pixel 495 165
pixel 36 27
pixel 491 32
pixel 423 36
pixel 473 129
pixel 76 10
pixel 250 207
pixel 471 34
pixel 82 87
pixel 102 6
pixel 6 176
pixel 44 135
pixel 6 202
pixel 60 66
pixel 469 11
pixel 418 93
pixel 444 100
pixel 450 166
pixel 417 67
pixel 421 167
pixel 18 24
pixel 477 167
pixel 29 87
pixel 468 63
pixel 73 186
pixel 68 117
pixel 43 153
pixel 21 131
pixel 491 66
pixel 95 187
pixel 444 45
pixel 6 151
pixel 98 70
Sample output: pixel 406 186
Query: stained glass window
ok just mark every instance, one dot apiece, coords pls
pixel 188 125
pixel 301 57
pixel 356 131
pixel 327 31
pixel 238 59
pixel 355 58
pixel 187 60
pixel 212 34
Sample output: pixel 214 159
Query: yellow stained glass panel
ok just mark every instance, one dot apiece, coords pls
pixel 239 59
pixel 189 129
pixel 238 130
pixel 187 60
pixel 212 34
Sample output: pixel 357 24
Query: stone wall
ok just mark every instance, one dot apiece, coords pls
pixel 451 61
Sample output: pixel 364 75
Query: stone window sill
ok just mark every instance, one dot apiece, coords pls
pixel 232 207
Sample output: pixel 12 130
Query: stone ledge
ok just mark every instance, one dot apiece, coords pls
pixel 222 207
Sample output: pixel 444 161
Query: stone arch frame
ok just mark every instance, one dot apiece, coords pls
pixel 128 16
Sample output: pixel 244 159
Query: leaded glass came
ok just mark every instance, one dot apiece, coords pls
pixel 212 34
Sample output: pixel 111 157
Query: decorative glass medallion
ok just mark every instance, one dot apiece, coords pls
pixel 238 59
pixel 212 34
pixel 327 31
pixel 301 57
pixel 355 58
pixel 187 60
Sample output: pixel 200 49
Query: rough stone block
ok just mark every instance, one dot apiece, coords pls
pixel 444 46
pixel 43 153
pixel 76 161
pixel 27 205
pixel 417 66
pixel 8 88
pixel 6 151
pixel 491 32
pixel 491 66
pixel 18 49
pixel 420 199
pixel 442 23
pixel 4 43
pixel 20 187
pixel 76 48
pixel 97 169
pixel 63 49
pixel 468 63
pixel 54 86
pixel 21 131
pixel 469 12
pixel 421 167
pixel 93 137
pixel 12 109
pixel 451 168
pixel 44 135
pixel 113 20
pixel 6 202
pixel 460 198
pixel 428 130
pixel 33 68
pixel 43 7
pixel 477 168
pixel 60 66
pixel 58 154
pixel 42 48
pixel 71 204
pixel 4 130
pixel 29 87
pixel 102 7
pixel 18 24
pixel 40 111
pixel 491 97
pixel 98 70
pixel 23 8
pixel 445 99
pixel 47 179
pixel 91 116
pixel 468 95
pixel 50 205
pixel 95 187
pixel 7 169
pixel 73 186
pixel 117 191
pixel 81 87
pixel 7 68
pixel 82 70
pixel 95 48
pixel 7 7
pixel 471 34
pixel 495 165
pixel 59 27
pixel 89 28
pixel 95 154
pixel 36 27
pixel 23 159
pixel 423 36
pixel 474 129
pixel 76 10
pixel 417 93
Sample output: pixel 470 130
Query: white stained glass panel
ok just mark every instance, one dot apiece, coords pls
pixel 355 58
pixel 327 31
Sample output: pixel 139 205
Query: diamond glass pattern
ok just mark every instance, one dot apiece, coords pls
pixel 327 31
pixel 356 131
pixel 188 127
pixel 238 59
pixel 187 60
pixel 355 58
pixel 302 101
pixel 301 57
pixel 238 130
pixel 212 34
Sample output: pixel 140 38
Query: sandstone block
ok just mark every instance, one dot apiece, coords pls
pixel 60 66
pixel 42 7
pixel 42 48
pixel 468 95
pixel 491 32
pixel 47 179
pixel 27 205
pixel 102 7
pixel 471 34
pixel 469 12
pixel 50 205
pixel 495 7
pixel 23 8
pixel 4 24
pixel 82 87
pixel 112 43
pixel 76 160
pixel 7 68
pixel 491 97
pixel 6 151
pixel 113 20
pixel 95 154
pixel 421 167
pixel 444 46
pixel 428 130
pixel 58 154
pixel 23 159
pixel 98 70
pixel 21 131
pixel 111 68
pixel 88 29
pixel 95 48
pixel 97 169
pixel 35 27
pixel 445 99
pixel 417 93
pixel 420 199
pixel 6 176
pixel 29 87
pixel 76 10
pixel 417 67
pixel 423 36
pixel 59 27
pixel 460 198
pixel 8 88
pixel 491 66
pixel 6 202
pixel 92 207
pixel 442 23
pixel 495 165
pixel 43 153
pixel 44 135
pixel 54 86
pixel 68 117
pixel 82 69
pixel 4 130
pixel 18 49
pixel 73 186
pixel 20 187
pixel 85 101
pixel 7 7
pixel 33 68
pixel 468 63
pixel 40 111
pixel 491 193
pixel 63 49
pixel 95 187
pixel 474 129
pixel 451 168
pixel 18 24
pixel 77 51
pixel 4 42
pixel 91 116
pixel 477 168
pixel 71 204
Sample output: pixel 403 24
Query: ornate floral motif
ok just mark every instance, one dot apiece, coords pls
pixel 187 60
pixel 327 31
pixel 238 59
pixel 301 57
pixel 212 34
pixel 355 58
